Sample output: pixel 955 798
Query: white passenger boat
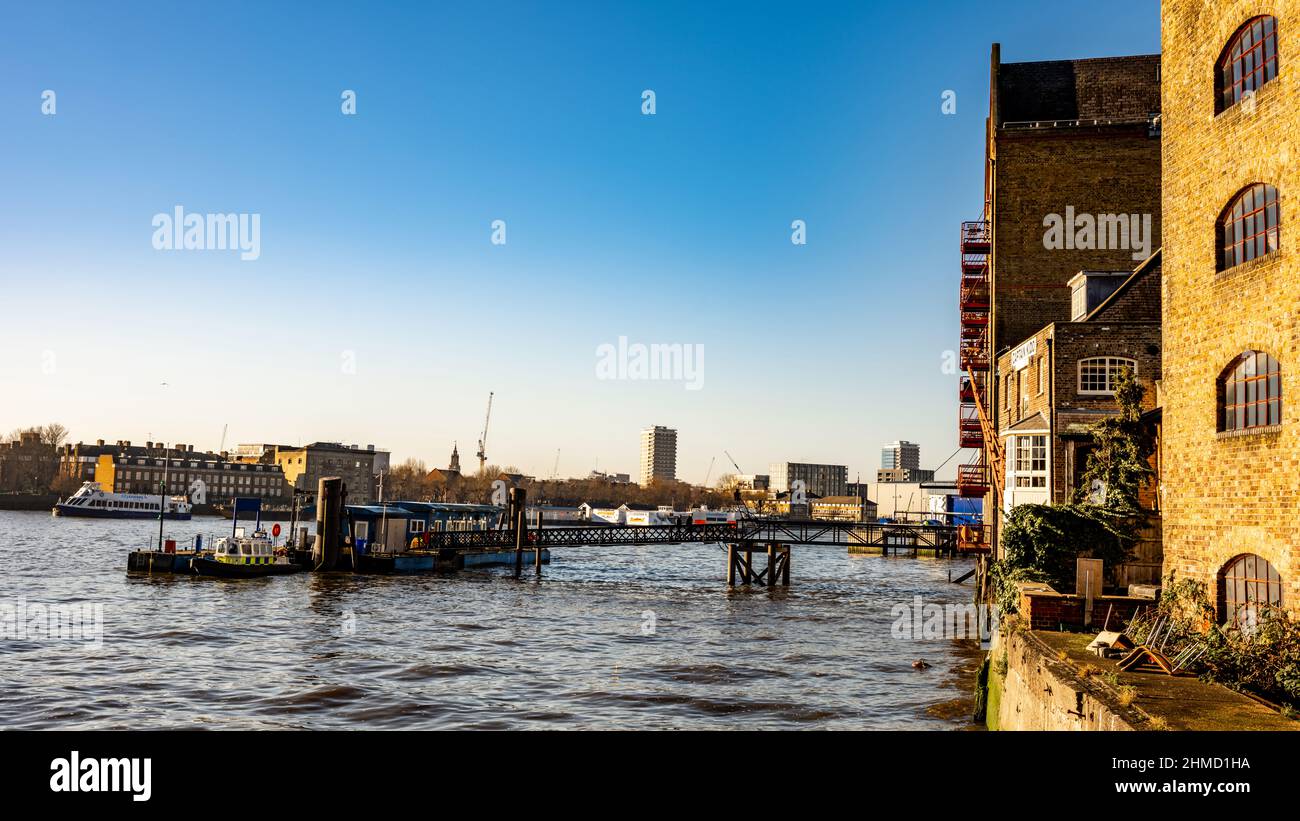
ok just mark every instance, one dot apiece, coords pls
pixel 93 501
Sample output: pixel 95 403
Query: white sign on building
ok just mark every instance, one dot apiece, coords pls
pixel 1020 356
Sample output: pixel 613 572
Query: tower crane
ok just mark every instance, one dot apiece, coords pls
pixel 482 440
pixel 710 471
pixel 733 463
pixel 555 470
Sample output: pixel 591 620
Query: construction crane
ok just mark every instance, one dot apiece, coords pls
pixel 222 446
pixel 733 463
pixel 555 469
pixel 482 440
pixel 710 471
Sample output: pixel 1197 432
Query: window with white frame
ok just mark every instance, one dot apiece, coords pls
pixel 1097 375
pixel 1031 461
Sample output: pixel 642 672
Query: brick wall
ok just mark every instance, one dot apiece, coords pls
pixel 1061 346
pixel 1227 495
pixel 1139 302
pixel 1094 171
pixel 1049 610
pixel 1099 88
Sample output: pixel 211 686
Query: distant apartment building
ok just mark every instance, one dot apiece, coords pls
pixel 27 465
pixel 843 508
pixel 206 478
pixel 612 478
pixel 753 481
pixel 658 454
pixel 304 467
pixel 1072 184
pixel 1230 443
pixel 900 456
pixel 904 475
pixel 820 480
pixel 265 452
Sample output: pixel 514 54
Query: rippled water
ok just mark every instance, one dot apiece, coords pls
pixel 477 649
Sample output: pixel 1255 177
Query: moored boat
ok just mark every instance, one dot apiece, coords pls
pixel 242 557
pixel 92 501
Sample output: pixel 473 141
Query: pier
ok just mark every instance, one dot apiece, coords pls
pixel 513 542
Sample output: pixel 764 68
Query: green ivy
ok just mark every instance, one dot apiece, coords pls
pixel 1041 543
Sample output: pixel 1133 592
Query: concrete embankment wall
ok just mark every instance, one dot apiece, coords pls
pixel 28 501
pixel 1030 688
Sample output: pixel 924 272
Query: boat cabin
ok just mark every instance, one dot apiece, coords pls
pixel 245 550
pixel 393 527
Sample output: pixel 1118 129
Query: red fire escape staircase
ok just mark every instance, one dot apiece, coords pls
pixel 975 424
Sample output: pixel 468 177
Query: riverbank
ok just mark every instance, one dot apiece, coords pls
pixel 28 501
pixel 1045 680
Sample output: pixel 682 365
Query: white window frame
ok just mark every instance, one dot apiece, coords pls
pixel 1030 478
pixel 1113 364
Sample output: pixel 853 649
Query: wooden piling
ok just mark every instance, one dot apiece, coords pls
pixel 517 496
pixel 731 565
pixel 329 510
pixel 537 547
pixel 785 568
pixel 771 564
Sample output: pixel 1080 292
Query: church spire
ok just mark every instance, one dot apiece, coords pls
pixel 455 459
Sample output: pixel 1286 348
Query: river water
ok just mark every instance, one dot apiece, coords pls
pixel 611 637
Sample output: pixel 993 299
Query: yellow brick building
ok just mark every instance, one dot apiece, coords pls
pixel 1231 438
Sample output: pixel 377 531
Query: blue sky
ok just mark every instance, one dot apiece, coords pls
pixel 376 228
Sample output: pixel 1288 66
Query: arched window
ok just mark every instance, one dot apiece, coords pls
pixel 1250 392
pixel 1250 226
pixel 1248 61
pixel 1097 374
pixel 1246 584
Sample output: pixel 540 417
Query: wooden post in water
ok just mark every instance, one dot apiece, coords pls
pixel 785 568
pixel 537 547
pixel 771 564
pixel 731 565
pixel 517 496
pixel 329 497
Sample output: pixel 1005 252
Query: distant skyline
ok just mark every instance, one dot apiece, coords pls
pixel 377 308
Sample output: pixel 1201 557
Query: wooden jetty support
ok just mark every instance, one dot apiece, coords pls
pixel 740 565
